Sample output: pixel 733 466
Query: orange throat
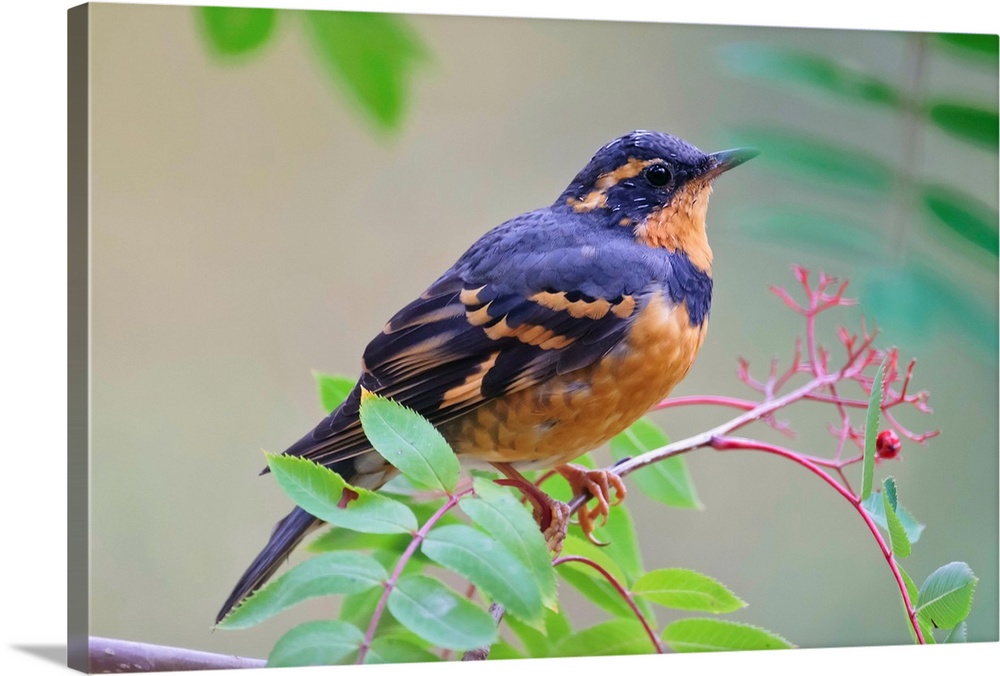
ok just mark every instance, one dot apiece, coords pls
pixel 680 226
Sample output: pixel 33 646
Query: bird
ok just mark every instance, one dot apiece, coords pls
pixel 552 333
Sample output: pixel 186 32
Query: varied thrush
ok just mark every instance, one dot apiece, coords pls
pixel 553 333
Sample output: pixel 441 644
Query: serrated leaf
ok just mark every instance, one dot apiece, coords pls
pixel 872 418
pixel 333 390
pixel 316 643
pixel 370 54
pixel 875 508
pixel 968 122
pixel 235 31
pixel 335 573
pixel 432 611
pixel 831 163
pixel 898 541
pixel 960 634
pixel 962 215
pixel 798 69
pixel 945 598
pixel 667 481
pixel 614 637
pixel 686 590
pixel 393 650
pixel 489 565
pixel 701 634
pixel 912 592
pixel 505 519
pixel 324 494
pixel 409 443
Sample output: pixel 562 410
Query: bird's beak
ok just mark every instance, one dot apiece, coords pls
pixel 727 159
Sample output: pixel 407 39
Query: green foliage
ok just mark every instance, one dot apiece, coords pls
pixel 370 56
pixel 702 634
pixel 875 507
pixel 945 598
pixel 434 612
pixel 333 390
pixel 316 643
pixel 872 417
pixel 898 540
pixel 614 637
pixel 669 481
pixel 911 300
pixel 686 590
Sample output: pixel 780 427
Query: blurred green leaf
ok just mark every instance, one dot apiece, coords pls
pixel 872 418
pixel 358 609
pixel 577 546
pixel 342 539
pixel 539 643
pixel 336 573
pixel 316 643
pixel 394 650
pixel 982 48
pixel 489 565
pixel 960 634
pixel 804 230
pixel 332 389
pixel 431 610
pixel 802 156
pixel 233 31
pixel 898 541
pixel 409 443
pixel 963 215
pixel 876 509
pixel 686 590
pixel 372 55
pixel 506 520
pixel 622 543
pixel 324 494
pixel 668 481
pixel 911 589
pixel 504 651
pixel 967 122
pixel 597 590
pixel 614 637
pixel 700 634
pixel 801 69
pixel 946 595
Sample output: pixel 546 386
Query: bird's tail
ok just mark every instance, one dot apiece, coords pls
pixel 287 534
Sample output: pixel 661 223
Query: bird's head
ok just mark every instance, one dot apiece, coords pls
pixel 656 184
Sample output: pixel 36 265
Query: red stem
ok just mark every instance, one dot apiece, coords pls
pixel 732 402
pixel 418 537
pixel 741 444
pixel 624 593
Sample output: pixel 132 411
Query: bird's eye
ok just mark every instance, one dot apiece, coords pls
pixel 658 175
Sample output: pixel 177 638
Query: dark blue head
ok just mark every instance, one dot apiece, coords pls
pixel 656 183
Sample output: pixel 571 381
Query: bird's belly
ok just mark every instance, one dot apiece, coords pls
pixel 566 416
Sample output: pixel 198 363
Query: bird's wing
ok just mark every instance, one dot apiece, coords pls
pixel 468 339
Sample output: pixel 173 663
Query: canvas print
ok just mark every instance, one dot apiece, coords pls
pixel 415 338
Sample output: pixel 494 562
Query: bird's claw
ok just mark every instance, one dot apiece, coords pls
pixel 598 483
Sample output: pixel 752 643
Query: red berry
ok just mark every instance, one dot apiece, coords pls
pixel 887 445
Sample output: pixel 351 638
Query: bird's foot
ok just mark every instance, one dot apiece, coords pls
pixel 551 515
pixel 598 483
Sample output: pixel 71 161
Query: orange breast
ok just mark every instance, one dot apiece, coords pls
pixel 561 419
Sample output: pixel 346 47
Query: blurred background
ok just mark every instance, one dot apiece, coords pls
pixel 269 187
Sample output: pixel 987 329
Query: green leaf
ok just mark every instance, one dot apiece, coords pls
pixel 393 650
pixel 813 71
pixel 504 651
pixel 912 592
pixel 832 164
pixel 597 591
pixel 336 573
pixel 621 543
pixel 489 565
pixel 668 481
pixel 506 520
pixel 898 541
pixel 872 418
pixel 320 491
pixel 333 390
pixel 971 45
pixel 686 590
pixel 968 122
pixel 700 634
pixel 875 508
pixel 372 55
pixel 341 539
pixel 804 229
pixel 358 609
pixel 535 642
pixel 316 643
pixel 234 31
pixel 946 595
pixel 960 634
pixel 574 545
pixel 409 443
pixel 962 215
pixel 614 637
pixel 432 611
